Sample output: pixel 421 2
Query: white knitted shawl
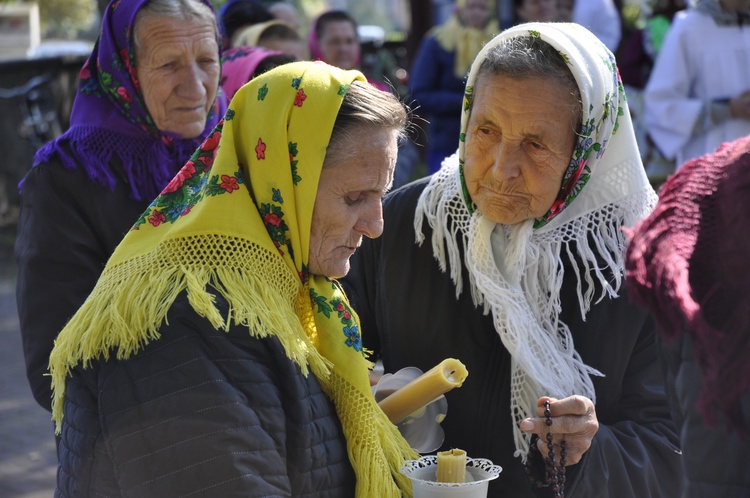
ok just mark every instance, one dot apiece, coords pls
pixel 516 271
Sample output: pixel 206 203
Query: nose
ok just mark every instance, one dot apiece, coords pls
pixel 192 84
pixel 370 221
pixel 506 162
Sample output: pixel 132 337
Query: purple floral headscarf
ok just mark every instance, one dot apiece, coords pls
pixel 110 116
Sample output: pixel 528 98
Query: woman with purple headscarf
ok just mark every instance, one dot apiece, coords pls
pixel 147 98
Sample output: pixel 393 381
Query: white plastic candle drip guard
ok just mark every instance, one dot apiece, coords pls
pixel 424 469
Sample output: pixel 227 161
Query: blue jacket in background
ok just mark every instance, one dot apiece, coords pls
pixel 438 93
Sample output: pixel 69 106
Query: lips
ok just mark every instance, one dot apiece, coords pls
pixel 190 109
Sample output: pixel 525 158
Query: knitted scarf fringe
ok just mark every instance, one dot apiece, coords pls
pixel 147 163
pixel 123 314
pixel 379 451
pixel 375 447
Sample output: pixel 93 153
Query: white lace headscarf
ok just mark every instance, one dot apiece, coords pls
pixel 516 271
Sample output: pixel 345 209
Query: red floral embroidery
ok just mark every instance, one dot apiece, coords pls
pixel 300 98
pixel 229 183
pixel 85 73
pixel 208 160
pixel 124 95
pixel 272 219
pixel 185 173
pixel 260 150
pixel 157 218
pixel 212 141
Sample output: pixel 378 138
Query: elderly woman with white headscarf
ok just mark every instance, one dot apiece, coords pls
pixel 513 258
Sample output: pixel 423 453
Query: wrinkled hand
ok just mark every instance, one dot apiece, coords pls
pixel 573 419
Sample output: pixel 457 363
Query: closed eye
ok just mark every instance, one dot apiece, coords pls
pixel 353 198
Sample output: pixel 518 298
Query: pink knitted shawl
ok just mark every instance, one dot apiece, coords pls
pixel 689 263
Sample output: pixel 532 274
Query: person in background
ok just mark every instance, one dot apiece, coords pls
pixel 658 22
pixel 287 12
pixel 437 75
pixel 273 35
pixel 514 257
pixel 565 10
pixel 698 93
pixel 147 97
pixel 687 263
pixel 602 18
pixel 334 40
pixel 236 15
pixel 241 64
pixel 535 10
pixel 636 57
pixel 218 355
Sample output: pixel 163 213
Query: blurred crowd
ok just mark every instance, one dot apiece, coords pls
pixel 683 104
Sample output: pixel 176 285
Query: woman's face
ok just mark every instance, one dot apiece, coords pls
pixel 538 11
pixel 339 44
pixel 349 200
pixel 476 13
pixel 177 65
pixel 519 141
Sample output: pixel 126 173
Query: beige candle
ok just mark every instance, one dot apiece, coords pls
pixel 424 389
pixel 451 466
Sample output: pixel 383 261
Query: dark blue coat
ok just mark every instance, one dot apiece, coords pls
pixel 438 93
pixel 201 412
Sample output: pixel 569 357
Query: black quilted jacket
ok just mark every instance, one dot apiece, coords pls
pixel 201 412
pixel 68 228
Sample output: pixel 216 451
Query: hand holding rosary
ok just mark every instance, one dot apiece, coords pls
pixel 554 474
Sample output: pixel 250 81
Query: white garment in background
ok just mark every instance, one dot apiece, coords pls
pixel 601 18
pixel 700 62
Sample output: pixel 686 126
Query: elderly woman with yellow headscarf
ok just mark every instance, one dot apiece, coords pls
pixel 438 74
pixel 217 354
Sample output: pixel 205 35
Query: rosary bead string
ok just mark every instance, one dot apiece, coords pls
pixel 554 475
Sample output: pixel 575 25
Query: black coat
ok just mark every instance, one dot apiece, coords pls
pixel 411 315
pixel 67 230
pixel 201 411
pixel 712 454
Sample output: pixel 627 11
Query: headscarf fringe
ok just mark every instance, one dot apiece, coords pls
pixel 375 479
pixel 146 163
pixel 123 315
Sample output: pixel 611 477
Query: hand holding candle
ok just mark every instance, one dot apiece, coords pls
pixel 451 466
pixel 448 374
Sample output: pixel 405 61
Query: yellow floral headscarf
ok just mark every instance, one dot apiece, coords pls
pixel 236 219
pixel 455 36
